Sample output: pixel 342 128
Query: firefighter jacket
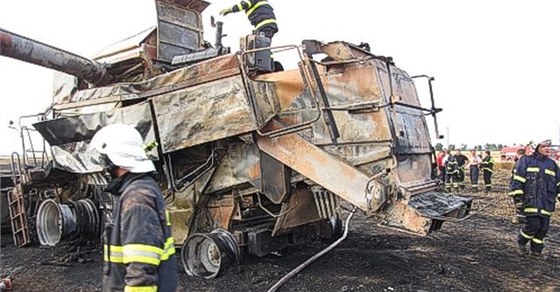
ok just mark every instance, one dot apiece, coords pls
pixel 487 164
pixel 259 12
pixel 537 179
pixel 139 255
pixel 451 166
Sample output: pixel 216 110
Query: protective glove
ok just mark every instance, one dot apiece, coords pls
pixel 225 12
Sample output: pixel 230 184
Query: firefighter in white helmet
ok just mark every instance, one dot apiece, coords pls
pixel 138 250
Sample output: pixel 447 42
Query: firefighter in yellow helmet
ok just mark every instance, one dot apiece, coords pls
pixel 138 248
pixel 260 14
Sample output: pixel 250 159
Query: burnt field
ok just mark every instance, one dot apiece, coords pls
pixel 476 254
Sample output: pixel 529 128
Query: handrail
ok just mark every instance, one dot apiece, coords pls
pixel 252 96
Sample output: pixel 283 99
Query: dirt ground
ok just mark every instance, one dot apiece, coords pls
pixel 477 254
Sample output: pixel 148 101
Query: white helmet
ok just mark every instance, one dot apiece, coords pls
pixel 123 145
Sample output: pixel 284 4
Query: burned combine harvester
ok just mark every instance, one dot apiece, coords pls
pixel 250 160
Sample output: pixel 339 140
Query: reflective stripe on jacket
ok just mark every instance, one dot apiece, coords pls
pixel 138 250
pixel 487 164
pixel 259 12
pixel 537 179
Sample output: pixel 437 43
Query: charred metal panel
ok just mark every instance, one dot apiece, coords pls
pixel 203 113
pixel 414 169
pixel 75 158
pixel 356 88
pixel 405 217
pixel 68 135
pixel 179 29
pixel 239 166
pixel 202 72
pixel 437 205
pixel 128 48
pixel 221 211
pixel 413 147
pixel 262 243
pixel 423 213
pixel 83 127
pixel 300 210
pixel 290 91
pixel 64 86
pixel 275 181
pixel 410 125
pixel 363 154
pixel 326 170
pixel 266 102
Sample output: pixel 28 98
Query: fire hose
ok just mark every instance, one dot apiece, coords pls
pixel 315 257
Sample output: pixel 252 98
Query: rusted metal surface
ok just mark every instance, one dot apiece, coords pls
pixel 300 210
pixel 406 217
pixel 28 50
pixel 221 211
pixel 323 168
pixel 241 165
pixel 338 50
pixel 275 181
pixel 179 27
pixel 203 113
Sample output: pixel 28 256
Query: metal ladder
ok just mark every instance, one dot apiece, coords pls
pixel 18 216
pixel 16 204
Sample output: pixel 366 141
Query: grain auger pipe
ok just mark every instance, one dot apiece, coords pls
pixel 25 49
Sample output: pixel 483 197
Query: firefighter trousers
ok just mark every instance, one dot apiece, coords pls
pixel 451 180
pixel 535 230
pixel 487 175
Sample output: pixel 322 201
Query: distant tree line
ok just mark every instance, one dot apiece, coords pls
pixel 487 146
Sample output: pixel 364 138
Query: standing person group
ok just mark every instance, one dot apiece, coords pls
pixel 536 183
pixel 452 168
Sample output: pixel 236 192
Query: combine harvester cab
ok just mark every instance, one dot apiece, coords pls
pixel 250 160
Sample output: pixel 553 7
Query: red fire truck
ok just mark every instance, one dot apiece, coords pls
pixel 510 153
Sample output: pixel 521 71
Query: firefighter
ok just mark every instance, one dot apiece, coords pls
pixel 260 14
pixel 487 166
pixel 138 247
pixel 451 173
pixel 537 179
pixel 518 199
pixel 462 162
